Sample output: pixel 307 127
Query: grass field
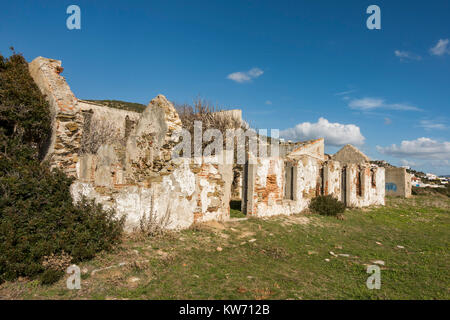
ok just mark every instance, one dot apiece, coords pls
pixel 276 258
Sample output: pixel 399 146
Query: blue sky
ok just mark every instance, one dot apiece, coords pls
pixel 308 68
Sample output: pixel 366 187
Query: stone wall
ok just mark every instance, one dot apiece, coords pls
pixel 67 120
pixel 314 148
pixel 133 172
pixel 332 172
pixel 140 178
pixel 190 193
pixel 365 185
pixel 270 180
pixel 350 154
pixel 122 121
pixel 286 184
pixel 136 172
pixel 398 182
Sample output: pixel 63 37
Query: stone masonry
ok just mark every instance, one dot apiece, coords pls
pixel 133 170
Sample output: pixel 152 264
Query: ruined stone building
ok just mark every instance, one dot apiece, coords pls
pixel 128 165
pixel 285 184
pixel 398 182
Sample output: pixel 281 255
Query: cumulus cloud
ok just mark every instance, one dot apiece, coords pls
pixel 421 148
pixel 335 134
pixel 406 55
pixel 440 48
pixel 368 104
pixel 246 76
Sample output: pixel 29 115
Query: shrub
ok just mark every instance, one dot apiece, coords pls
pixel 50 276
pixel 430 191
pixel 327 205
pixel 24 112
pixel 38 219
pixel 98 134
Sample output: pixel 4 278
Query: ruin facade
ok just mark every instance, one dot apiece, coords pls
pixel 285 184
pixel 124 160
pixel 134 173
pixel 398 182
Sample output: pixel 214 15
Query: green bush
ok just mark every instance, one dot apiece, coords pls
pixel 327 205
pixel 37 215
pixel 50 276
pixel 24 112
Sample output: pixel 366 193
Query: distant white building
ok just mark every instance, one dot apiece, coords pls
pixel 431 176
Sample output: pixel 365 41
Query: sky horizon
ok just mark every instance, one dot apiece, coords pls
pixel 309 69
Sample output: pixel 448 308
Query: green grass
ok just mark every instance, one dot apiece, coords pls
pixel 277 258
pixel 235 209
pixel 130 106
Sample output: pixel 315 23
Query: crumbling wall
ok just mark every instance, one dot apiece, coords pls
pixel 377 190
pixel 364 185
pixel 269 185
pixel 134 172
pixel 67 120
pixel 122 121
pixel 398 182
pixel 350 154
pixel 332 179
pixel 191 193
pixel 141 178
pixel 313 148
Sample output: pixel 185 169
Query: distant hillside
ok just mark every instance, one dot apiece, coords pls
pixel 385 164
pixel 130 106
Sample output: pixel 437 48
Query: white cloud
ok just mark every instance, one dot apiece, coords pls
pixel 440 163
pixel 247 76
pixel 335 134
pixel 344 93
pixel 405 55
pixel 440 48
pixel 255 72
pixel 409 163
pixel 367 104
pixel 432 125
pixel 421 148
